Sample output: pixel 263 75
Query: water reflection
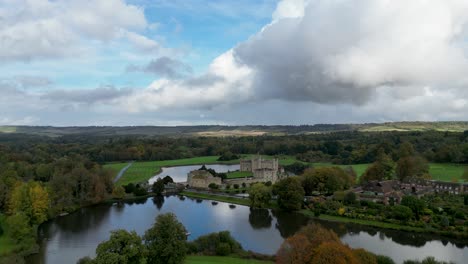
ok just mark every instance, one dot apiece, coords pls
pixel 158 201
pixel 68 238
pixel 260 218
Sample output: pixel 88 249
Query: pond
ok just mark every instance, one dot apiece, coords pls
pixel 69 238
pixel 179 173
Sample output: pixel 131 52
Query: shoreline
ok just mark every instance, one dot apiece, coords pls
pixel 332 218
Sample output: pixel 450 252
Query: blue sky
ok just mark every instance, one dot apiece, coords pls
pixel 179 62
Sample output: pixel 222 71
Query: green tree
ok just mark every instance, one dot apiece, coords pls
pixel 259 195
pixel 158 186
pixel 290 193
pixel 32 199
pixel 415 204
pixel 465 175
pixel 412 167
pixel 325 180
pixel 118 192
pixel 382 169
pixel 166 241
pixel 123 247
pixel 21 231
pixel 401 212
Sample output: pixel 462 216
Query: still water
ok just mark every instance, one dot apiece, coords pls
pixel 179 174
pixel 68 238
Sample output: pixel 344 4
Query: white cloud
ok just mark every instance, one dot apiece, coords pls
pixel 43 29
pixel 336 52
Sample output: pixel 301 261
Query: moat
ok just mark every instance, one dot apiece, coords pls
pixel 68 238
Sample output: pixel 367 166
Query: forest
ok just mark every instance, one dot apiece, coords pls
pixel 42 177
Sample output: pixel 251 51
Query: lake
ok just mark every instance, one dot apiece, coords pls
pixel 68 238
pixel 179 174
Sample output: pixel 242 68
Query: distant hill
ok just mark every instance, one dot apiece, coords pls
pixel 218 131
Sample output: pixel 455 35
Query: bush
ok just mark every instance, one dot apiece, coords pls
pixel 140 192
pixel 228 186
pixel 213 186
pixel 236 186
pixel 350 198
pixel 384 260
pixel 221 243
pixel 223 249
pixel 129 188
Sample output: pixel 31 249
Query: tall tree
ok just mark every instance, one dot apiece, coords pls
pixel 123 247
pixel 166 241
pixel 259 195
pixel 290 193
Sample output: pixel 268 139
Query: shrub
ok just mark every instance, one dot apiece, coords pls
pixel 213 186
pixel 384 260
pixel 364 257
pixel 236 186
pixel 129 188
pixel 223 249
pixel 140 192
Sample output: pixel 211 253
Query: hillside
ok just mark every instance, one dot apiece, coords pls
pixel 221 131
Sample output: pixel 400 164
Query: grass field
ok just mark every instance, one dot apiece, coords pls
pixel 446 171
pixel 115 167
pixel 142 171
pixel 224 260
pixel 239 174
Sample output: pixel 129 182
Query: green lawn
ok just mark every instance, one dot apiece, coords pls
pixel 446 171
pixel 239 174
pixel 224 260
pixel 115 167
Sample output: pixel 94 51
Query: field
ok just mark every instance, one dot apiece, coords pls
pixel 115 167
pixel 446 171
pixel 239 174
pixel 225 260
pixel 142 171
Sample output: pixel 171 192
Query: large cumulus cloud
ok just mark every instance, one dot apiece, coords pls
pixel 335 51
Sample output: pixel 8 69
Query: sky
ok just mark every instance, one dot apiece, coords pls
pixel 242 62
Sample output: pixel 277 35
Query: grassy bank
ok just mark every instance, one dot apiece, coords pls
pixel 215 197
pixel 217 259
pixel 362 222
pixel 384 225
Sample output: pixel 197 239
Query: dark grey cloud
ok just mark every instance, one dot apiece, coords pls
pixel 164 67
pixel 98 95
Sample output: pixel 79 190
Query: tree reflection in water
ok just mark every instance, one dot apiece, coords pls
pixel 158 201
pixel 260 218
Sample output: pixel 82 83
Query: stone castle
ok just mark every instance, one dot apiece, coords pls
pixel 263 170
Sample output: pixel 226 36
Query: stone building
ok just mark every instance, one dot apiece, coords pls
pixel 201 179
pixel 263 170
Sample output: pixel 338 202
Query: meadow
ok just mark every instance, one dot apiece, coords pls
pixel 142 171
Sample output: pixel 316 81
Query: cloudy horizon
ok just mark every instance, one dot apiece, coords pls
pixel 266 62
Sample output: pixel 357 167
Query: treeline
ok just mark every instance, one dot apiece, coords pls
pixel 337 147
pixel 31 193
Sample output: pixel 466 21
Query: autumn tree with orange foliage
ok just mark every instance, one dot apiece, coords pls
pixel 334 253
pixel 295 249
